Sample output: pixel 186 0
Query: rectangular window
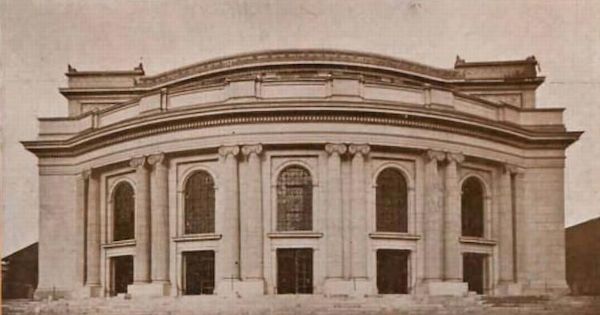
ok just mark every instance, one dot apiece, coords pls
pixel 392 271
pixel 295 271
pixel 198 272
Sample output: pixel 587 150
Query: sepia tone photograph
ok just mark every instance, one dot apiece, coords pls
pixel 294 157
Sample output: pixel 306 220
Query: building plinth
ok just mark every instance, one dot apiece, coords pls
pixel 154 289
pixel 447 288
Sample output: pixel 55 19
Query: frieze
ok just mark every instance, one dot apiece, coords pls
pixel 58 149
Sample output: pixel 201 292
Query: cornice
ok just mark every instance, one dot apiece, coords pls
pixel 104 137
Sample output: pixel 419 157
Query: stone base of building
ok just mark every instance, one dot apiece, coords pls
pixel 240 288
pixel 447 288
pixel 87 291
pixel 509 288
pixel 555 287
pixel 354 287
pixel 42 293
pixel 153 289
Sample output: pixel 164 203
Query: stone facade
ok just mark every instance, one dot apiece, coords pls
pixel 341 121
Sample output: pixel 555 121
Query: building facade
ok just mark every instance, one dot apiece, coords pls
pixel 303 172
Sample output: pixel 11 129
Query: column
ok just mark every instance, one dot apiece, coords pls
pixel 80 225
pixel 141 264
pixel 359 211
pixel 251 214
pixel 433 216
pixel 93 233
pixel 159 218
pixel 452 219
pixel 520 226
pixel 334 211
pixel 231 221
pixel 505 231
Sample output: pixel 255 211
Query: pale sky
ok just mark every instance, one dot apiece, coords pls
pixel 39 39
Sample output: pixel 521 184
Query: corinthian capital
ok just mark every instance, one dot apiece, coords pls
pixel 338 148
pixel 157 158
pixel 512 169
pixel 431 155
pixel 226 150
pixel 455 157
pixel 138 161
pixel 85 174
pixel 363 149
pixel 252 149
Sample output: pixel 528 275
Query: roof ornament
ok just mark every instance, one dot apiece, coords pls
pixel 459 61
pixel 533 60
pixel 70 69
pixel 140 67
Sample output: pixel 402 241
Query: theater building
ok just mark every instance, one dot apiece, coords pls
pixel 303 172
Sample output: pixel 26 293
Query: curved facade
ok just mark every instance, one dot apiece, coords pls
pixel 303 172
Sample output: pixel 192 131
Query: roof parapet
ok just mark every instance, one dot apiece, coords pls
pixel 494 70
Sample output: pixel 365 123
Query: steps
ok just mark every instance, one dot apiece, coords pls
pixel 310 305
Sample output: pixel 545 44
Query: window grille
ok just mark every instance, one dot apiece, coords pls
pixel 200 204
pixel 472 200
pixel 123 212
pixel 391 202
pixel 294 200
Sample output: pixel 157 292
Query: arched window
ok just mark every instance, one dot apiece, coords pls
pixel 123 212
pixel 391 201
pixel 472 200
pixel 294 199
pixel 200 204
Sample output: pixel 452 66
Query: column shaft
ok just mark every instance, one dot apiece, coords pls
pixel 452 220
pixel 160 218
pixel 506 228
pixel 433 217
pixel 231 220
pixel 358 211
pixel 251 215
pixel 141 267
pixel 334 211
pixel 93 231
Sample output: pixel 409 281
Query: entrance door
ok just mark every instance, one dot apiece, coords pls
pixel 199 272
pixel 392 271
pixel 474 271
pixel 121 274
pixel 294 271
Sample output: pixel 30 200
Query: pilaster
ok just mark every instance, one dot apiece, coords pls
pixel 93 284
pixel 229 267
pixel 433 216
pixel 251 229
pixel 142 259
pixel 160 222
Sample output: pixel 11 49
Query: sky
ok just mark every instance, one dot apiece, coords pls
pixel 39 38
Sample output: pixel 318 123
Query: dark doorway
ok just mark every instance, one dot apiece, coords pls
pixel 199 272
pixel 392 271
pixel 122 274
pixel 295 271
pixel 474 271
